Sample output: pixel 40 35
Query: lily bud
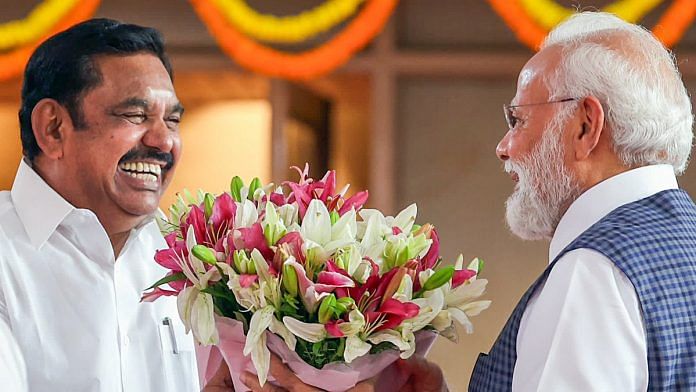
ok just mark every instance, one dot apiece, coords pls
pixel 326 309
pixel 425 229
pixel 236 188
pixel 205 254
pixel 394 284
pixel 290 280
pixel 439 278
pixel 240 260
pixel 208 200
pixel 255 184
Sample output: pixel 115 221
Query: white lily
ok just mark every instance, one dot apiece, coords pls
pixel 351 261
pixel 256 341
pixel 255 344
pixel 315 332
pixel 195 308
pixel 404 220
pixel 460 303
pixel 321 237
pixel 246 214
pixel 379 243
pixel 273 227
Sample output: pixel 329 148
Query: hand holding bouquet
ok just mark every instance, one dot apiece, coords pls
pixel 300 268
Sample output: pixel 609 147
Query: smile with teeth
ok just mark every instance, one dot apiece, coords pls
pixel 142 170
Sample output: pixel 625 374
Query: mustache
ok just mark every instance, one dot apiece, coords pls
pixel 149 153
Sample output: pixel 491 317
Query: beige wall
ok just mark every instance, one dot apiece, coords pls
pixel 446 131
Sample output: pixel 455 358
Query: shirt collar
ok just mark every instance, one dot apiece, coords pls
pixel 40 208
pixel 601 199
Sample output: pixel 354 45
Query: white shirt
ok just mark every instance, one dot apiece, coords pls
pixel 75 311
pixel 583 329
pixel 13 374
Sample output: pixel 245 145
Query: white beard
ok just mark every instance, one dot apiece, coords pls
pixel 544 189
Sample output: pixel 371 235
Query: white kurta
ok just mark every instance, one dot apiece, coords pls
pixel 13 374
pixel 583 329
pixel 75 311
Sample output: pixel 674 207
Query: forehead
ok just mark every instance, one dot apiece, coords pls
pixel 140 75
pixel 530 83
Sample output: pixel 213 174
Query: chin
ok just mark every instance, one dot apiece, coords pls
pixel 142 207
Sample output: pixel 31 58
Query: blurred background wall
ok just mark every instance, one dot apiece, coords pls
pixel 414 117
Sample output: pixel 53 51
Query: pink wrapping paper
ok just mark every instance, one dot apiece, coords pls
pixel 334 377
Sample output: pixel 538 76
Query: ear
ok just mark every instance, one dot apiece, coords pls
pixel 586 138
pixel 49 121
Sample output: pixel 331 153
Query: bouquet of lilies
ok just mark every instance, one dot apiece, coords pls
pixel 306 266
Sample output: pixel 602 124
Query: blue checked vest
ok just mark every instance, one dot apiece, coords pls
pixel 653 242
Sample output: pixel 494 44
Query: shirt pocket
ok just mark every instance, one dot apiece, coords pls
pixel 178 356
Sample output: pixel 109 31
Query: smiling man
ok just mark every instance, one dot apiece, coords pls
pixel 99 128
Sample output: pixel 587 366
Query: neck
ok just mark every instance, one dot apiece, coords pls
pixel 118 241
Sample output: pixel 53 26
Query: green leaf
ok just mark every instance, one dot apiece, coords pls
pixel 236 188
pixel 167 279
pixel 439 278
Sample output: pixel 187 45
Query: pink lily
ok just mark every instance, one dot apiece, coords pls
pixel 224 211
pixel 311 292
pixel 252 238
pixel 156 293
pixel 167 258
pixel 355 202
pixel 391 314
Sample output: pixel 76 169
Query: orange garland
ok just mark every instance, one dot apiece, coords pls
pixel 12 63
pixel 669 29
pixel 306 65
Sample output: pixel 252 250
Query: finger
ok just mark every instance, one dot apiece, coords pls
pixel 281 372
pixel 221 380
pixel 286 378
pixel 365 386
pixel 252 382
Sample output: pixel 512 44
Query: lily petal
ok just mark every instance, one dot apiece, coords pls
pixel 281 330
pixel 355 348
pixel 310 332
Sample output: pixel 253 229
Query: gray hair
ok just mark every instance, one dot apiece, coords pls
pixel 647 108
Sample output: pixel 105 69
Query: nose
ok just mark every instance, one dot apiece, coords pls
pixel 160 137
pixel 501 150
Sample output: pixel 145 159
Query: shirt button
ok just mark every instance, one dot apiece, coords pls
pixel 125 341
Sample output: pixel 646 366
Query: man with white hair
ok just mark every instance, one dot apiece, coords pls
pixel 599 127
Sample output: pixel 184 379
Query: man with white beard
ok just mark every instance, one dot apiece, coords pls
pixel 600 125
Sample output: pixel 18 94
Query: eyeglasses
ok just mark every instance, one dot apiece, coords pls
pixel 512 121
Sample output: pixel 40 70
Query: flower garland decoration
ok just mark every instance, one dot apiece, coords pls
pixel 298 66
pixel 548 13
pixel 40 19
pixel 47 19
pixel 531 20
pixel 287 29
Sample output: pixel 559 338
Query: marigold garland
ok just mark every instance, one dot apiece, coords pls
pixel 305 65
pixel 43 17
pixel 287 29
pixel 669 29
pixel 548 13
pixel 12 63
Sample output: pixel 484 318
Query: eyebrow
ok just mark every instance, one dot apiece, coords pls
pixel 145 104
